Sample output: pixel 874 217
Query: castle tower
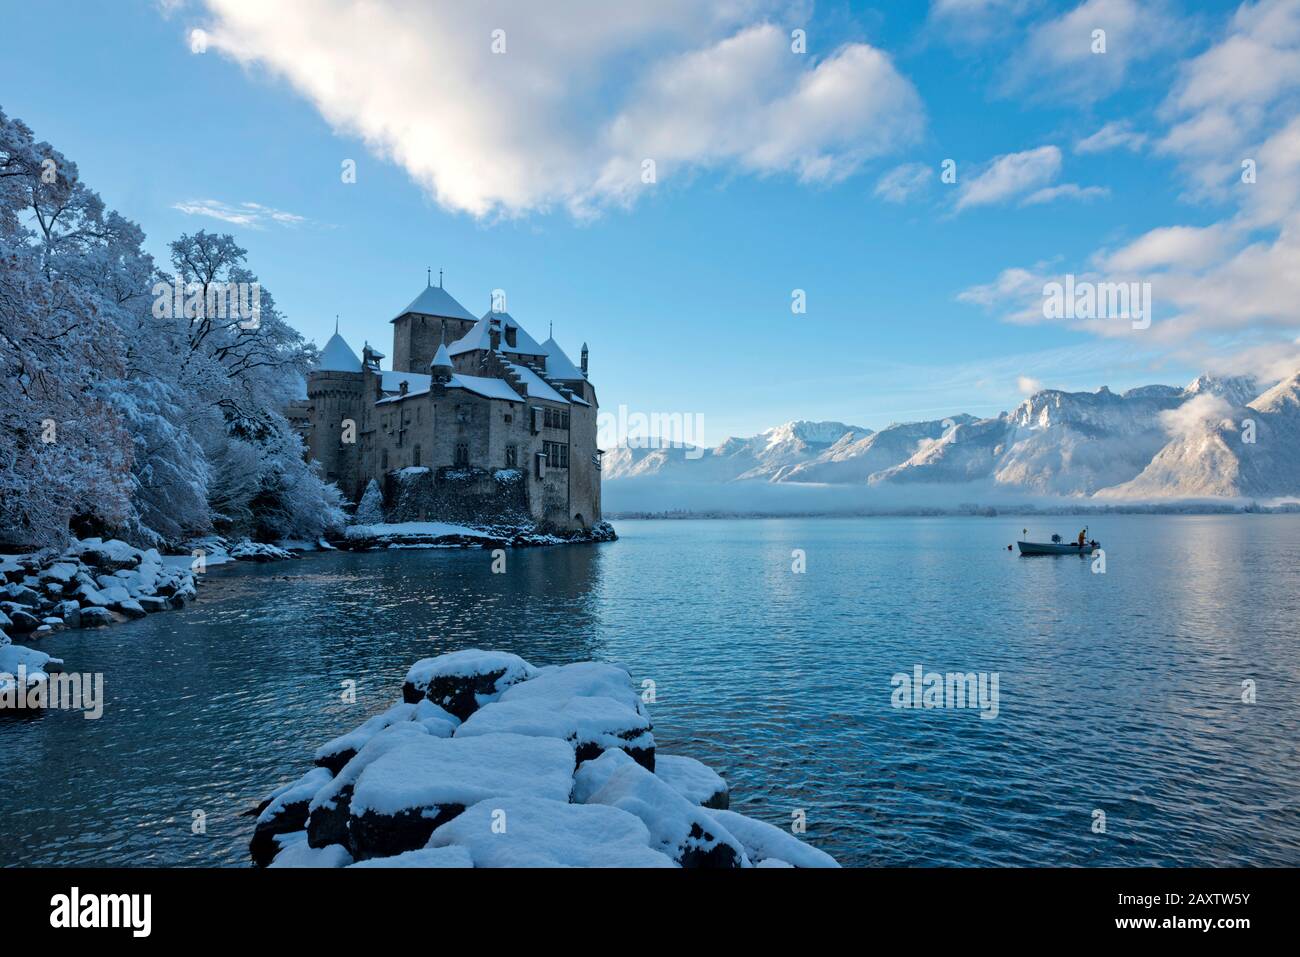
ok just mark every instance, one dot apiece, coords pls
pixel 433 316
pixel 336 398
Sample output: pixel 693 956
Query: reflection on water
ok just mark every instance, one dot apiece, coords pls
pixel 1119 692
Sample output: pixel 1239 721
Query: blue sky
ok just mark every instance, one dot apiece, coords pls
pixel 520 171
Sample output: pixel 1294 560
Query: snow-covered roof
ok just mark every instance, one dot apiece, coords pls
pixel 478 337
pixel 538 388
pixel 436 301
pixel 441 358
pixel 559 365
pixel 337 356
pixel 418 384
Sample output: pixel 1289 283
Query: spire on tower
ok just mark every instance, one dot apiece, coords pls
pixel 439 277
pixel 336 323
pixel 428 276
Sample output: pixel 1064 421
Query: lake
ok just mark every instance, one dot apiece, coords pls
pixel 1120 694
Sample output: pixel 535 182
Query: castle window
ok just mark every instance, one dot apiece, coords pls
pixel 512 337
pixel 462 414
pixel 512 458
pixel 557 454
pixel 508 417
pixel 462 455
pixel 385 466
pixel 415 455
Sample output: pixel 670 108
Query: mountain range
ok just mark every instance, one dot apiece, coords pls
pixel 1217 437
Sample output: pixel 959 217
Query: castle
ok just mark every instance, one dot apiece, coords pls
pixel 475 420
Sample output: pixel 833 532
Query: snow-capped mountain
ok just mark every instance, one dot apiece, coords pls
pixel 1228 450
pixel 763 456
pixel 1055 443
pixel 1155 441
pixel 855 457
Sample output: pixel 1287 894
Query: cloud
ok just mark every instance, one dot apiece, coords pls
pixel 1114 135
pixel 1179 246
pixel 1027 385
pixel 252 215
pixel 1065 191
pixel 1011 175
pixel 583 95
pixel 901 182
pixel 1057 56
pixel 1195 414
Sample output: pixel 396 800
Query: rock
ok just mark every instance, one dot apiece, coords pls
pixel 109 556
pixel 60 573
pixel 328 813
pixel 463 681
pixel 518 831
pixel 70 612
pixel 23 622
pixel 152 603
pixel 683 831
pixel 178 600
pixel 286 812
pixel 89 596
pixel 22 595
pixel 592 725
pixel 763 841
pixel 404 795
pixel 94 616
pixel 296 852
pixel 693 780
pixel 335 754
pixel 5 620
pixel 131 608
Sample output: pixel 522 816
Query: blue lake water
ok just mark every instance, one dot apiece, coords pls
pixel 1118 692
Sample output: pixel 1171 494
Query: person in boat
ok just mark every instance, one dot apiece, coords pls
pixel 1083 537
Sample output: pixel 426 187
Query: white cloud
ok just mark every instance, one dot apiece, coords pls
pixel 1057 58
pixel 252 215
pixel 1114 135
pixel 901 182
pixel 1195 413
pixel 584 93
pixel 1009 176
pixel 1065 191
pixel 1027 385
pixel 1179 246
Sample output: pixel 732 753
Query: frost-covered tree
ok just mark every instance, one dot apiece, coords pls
pixel 133 400
pixel 370 510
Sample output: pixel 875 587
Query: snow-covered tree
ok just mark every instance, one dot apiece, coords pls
pixel 370 510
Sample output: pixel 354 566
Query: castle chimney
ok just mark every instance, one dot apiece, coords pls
pixel 584 358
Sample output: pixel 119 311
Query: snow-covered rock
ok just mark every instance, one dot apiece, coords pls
pixel 763 841
pixel 402 797
pixel 683 831
pixel 463 681
pixel 538 832
pixel 335 754
pixel 296 852
pixel 286 812
pixel 450 856
pixel 693 780
pixel 592 725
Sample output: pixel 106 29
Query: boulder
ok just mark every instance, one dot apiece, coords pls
pixel 683 831
pixel 593 725
pixel 70 612
pixel 131 608
pixel 693 780
pixel 23 622
pixel 763 842
pixel 516 831
pixel 328 813
pixel 22 595
pixel 89 596
pixel 335 754
pixel 152 603
pixel 109 556
pixel 296 852
pixel 404 795
pixel 463 681
pixel 286 812
pixel 94 616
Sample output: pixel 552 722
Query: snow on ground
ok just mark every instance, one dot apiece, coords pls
pixel 419 788
pixel 399 530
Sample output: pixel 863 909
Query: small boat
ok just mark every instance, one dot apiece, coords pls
pixel 1057 548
